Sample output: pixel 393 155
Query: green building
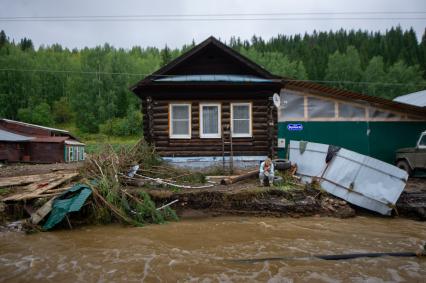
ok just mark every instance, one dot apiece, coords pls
pixel 369 125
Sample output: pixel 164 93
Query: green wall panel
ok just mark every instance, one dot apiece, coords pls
pixel 381 143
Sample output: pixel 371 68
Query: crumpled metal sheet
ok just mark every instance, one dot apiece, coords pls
pixel 356 178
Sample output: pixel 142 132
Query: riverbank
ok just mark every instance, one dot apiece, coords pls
pixel 244 198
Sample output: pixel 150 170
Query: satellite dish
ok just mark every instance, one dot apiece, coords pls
pixel 277 100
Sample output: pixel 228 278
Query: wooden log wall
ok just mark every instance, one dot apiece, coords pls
pixel 262 142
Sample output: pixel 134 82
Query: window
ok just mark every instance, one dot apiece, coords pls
pixel 292 105
pixel 241 119
pixel 82 153
pixel 180 121
pixel 351 111
pixel 210 120
pixel 320 108
pixel 71 153
pixel 422 142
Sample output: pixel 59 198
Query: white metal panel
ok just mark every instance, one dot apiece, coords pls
pixel 359 179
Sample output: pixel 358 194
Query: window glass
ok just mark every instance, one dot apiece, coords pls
pixel 210 120
pixel 180 120
pixel 423 141
pixel 351 111
pixel 320 108
pixel 292 105
pixel 376 113
pixel 241 120
pixel 71 153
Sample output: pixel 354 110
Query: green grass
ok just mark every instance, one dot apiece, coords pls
pixel 94 142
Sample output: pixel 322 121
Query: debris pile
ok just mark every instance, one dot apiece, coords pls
pixel 105 176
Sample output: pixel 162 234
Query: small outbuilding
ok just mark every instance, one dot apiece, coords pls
pixel 24 142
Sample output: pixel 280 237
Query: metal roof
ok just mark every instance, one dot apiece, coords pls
pixel 34 126
pixel 12 137
pixel 215 78
pixel 416 98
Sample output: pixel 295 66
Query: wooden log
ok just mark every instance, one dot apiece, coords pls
pixel 234 179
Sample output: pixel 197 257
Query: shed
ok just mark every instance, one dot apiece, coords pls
pixel 210 106
pixel 24 142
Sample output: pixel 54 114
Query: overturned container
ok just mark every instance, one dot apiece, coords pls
pixel 356 178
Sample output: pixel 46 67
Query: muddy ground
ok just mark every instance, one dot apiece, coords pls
pixel 248 198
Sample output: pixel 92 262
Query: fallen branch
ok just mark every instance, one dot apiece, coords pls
pixel 111 207
pixel 166 205
pixel 163 182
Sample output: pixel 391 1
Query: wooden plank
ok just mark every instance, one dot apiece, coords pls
pixel 25 180
pixel 37 216
pixel 30 194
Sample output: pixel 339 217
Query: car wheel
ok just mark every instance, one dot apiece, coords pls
pixel 402 164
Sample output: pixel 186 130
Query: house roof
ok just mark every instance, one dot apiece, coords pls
pixel 209 42
pixel 34 126
pixel 354 96
pixel 12 137
pixel 416 98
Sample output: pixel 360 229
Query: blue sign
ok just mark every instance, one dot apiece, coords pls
pixel 295 127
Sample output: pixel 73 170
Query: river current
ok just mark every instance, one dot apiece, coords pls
pixel 205 250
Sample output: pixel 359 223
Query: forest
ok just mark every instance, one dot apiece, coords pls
pixel 88 89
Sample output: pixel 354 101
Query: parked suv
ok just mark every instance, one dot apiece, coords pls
pixel 412 158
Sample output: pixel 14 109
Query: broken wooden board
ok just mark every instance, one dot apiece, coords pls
pixel 25 180
pixel 33 193
pixel 37 216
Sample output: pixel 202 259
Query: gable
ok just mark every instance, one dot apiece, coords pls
pixel 213 60
pixel 211 57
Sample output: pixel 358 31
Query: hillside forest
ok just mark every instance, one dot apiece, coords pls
pixel 88 88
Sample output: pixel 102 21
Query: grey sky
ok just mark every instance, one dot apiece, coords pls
pixel 129 33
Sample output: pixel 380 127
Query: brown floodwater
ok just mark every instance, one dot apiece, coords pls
pixel 202 250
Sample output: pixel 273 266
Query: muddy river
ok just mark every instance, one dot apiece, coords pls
pixel 203 250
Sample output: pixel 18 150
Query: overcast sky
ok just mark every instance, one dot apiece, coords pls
pixel 176 33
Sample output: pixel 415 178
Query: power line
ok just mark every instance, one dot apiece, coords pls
pixel 220 15
pixel 144 75
pixel 205 19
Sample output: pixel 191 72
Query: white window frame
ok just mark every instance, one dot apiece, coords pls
pixel 219 121
pixel 171 135
pixel 250 134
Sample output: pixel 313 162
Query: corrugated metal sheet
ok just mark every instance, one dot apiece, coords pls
pixel 415 98
pixel 35 126
pixel 357 178
pixel 215 78
pixel 12 137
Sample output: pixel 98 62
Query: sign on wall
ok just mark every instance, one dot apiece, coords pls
pixel 295 127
